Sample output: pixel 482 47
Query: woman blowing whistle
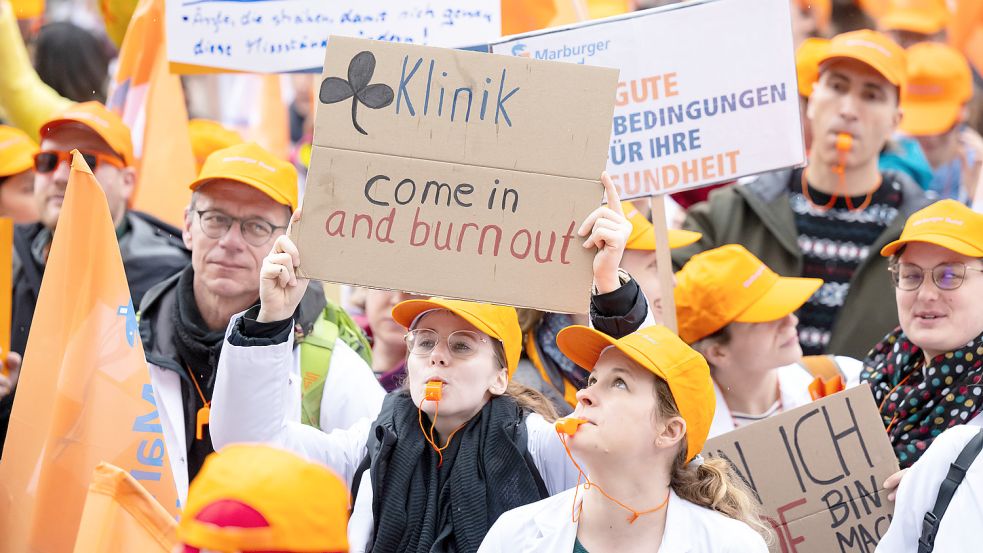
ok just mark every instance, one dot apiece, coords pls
pixel 457 447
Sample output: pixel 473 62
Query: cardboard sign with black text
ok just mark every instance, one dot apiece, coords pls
pixel 455 173
pixel 817 472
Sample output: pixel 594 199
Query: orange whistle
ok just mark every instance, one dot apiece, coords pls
pixel 568 425
pixel 432 390
pixel 844 142
pixel 201 421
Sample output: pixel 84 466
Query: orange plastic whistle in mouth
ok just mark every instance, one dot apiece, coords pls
pixel 844 142
pixel 568 425
pixel 432 391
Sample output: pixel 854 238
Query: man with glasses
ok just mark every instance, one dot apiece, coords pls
pixel 242 201
pixel 151 249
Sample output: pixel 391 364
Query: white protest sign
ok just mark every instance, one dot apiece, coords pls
pixel 279 36
pixel 707 91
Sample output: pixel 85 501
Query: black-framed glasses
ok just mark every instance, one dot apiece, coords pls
pixel 255 230
pixel 946 276
pixel 461 343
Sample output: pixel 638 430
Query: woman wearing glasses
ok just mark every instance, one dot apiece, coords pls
pixel 927 375
pixel 448 454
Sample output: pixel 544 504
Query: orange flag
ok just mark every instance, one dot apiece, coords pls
pixel 271 129
pixel 151 101
pixel 84 395
pixel 120 516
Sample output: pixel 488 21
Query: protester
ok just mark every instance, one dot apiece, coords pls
pixel 498 451
pixel 939 85
pixel 909 22
pixel 241 203
pixel 822 222
pixel 73 61
pixel 150 249
pixel 919 489
pixel 208 137
pixel 926 375
pixel 388 337
pixel 739 315
pixel 646 412
pixel 252 498
pixel 543 367
pixel 17 176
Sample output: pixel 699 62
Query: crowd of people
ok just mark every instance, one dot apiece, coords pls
pixel 452 425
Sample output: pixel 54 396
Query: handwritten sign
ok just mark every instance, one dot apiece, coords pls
pixel 817 472
pixel 455 173
pixel 707 91
pixel 279 36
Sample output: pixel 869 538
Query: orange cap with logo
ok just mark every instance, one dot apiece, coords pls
pixel 925 17
pixel 871 48
pixel 939 84
pixel 660 351
pixel 729 284
pixel 96 117
pixel 807 63
pixel 209 136
pixel 16 151
pixel 498 321
pixel 258 498
pixel 250 164
pixel 643 233
pixel 946 223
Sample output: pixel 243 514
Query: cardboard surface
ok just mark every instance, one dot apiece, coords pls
pixel 279 36
pixel 707 91
pixel 817 472
pixel 459 205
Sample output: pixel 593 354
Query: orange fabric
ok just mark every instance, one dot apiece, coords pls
pixel 872 48
pixel 569 390
pixel 6 286
pixel 520 16
pixel 966 31
pixel 252 165
pixel 27 9
pixel 151 101
pixel 84 394
pixel 925 17
pixel 120 516
pixel 16 151
pixel 820 388
pixel 939 84
pixel 116 15
pixel 207 137
pixel 807 58
pixel 947 223
pixel 101 121
pixel 272 129
pixel 643 233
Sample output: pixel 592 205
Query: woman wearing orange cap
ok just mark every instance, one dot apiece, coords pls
pixel 448 454
pixel 639 427
pixel 739 314
pixel 927 375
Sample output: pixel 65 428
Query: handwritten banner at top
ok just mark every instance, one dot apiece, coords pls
pixel 279 36
pixel 707 90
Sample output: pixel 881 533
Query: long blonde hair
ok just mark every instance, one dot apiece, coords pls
pixel 713 484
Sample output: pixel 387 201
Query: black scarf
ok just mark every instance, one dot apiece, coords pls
pixel 420 507
pixel 919 400
pixel 198 349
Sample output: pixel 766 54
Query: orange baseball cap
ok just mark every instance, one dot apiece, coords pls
pixel 925 17
pixel 659 350
pixel 16 151
pixel 209 136
pixel 729 284
pixel 946 223
pixel 939 84
pixel 250 164
pixel 643 233
pixel 872 48
pixel 498 321
pixel 258 498
pixel 807 63
pixel 101 121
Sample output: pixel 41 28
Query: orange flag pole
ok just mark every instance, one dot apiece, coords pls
pixel 6 288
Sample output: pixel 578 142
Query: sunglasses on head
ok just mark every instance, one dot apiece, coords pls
pixel 48 160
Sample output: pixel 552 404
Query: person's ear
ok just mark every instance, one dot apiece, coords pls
pixel 186 231
pixel 716 354
pixel 673 432
pixel 501 382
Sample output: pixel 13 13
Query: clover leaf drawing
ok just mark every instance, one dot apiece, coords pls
pixel 357 87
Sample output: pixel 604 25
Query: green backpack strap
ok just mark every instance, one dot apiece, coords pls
pixel 315 357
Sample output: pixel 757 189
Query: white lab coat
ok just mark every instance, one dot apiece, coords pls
pixel 960 527
pixel 793 383
pixel 248 405
pixel 547 527
pixel 351 392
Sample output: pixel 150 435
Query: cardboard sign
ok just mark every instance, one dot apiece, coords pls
pixel 817 471
pixel 707 91
pixel 279 36
pixel 454 173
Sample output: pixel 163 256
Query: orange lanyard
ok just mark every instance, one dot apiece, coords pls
pixel 888 395
pixel 201 419
pixel 569 390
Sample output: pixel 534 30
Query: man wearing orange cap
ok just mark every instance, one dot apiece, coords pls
pixel 909 22
pixel 940 83
pixel 824 221
pixel 17 175
pixel 151 249
pixel 242 201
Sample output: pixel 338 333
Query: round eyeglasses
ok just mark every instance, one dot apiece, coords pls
pixel 946 276
pixel 461 343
